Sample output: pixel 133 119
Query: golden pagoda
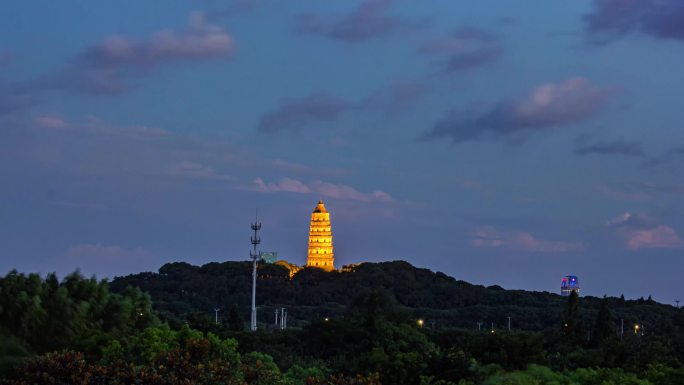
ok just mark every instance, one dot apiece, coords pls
pixel 320 240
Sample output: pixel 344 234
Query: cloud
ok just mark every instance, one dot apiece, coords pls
pixel 661 237
pixel 465 49
pixel 326 189
pixel 491 237
pixel 583 146
pixel 296 113
pixel 51 121
pixel 77 148
pixel 341 191
pixel 615 18
pixel 671 155
pixel 369 20
pixel 640 190
pixel 107 260
pixel 59 144
pixel 96 126
pixel 395 98
pixel 109 66
pixel 285 185
pixel 547 106
pixel 197 170
pixel 644 232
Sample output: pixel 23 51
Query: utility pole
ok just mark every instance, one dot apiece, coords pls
pixel 509 323
pixel 479 324
pixel 216 314
pixel 283 318
pixel 622 328
pixel 276 318
pixel 256 226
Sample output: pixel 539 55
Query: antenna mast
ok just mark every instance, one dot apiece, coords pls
pixel 256 226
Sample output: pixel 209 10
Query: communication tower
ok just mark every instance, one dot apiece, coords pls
pixel 254 254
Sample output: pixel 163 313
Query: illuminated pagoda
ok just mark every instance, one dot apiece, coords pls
pixel 320 240
pixel 569 284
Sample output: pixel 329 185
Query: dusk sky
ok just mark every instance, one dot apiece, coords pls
pixel 507 143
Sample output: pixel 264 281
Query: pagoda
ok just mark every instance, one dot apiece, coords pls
pixel 320 240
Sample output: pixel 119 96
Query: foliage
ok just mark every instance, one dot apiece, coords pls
pixel 180 289
pixel 604 327
pixel 571 323
pixel 359 327
pixel 41 315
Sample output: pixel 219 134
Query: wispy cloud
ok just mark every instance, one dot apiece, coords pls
pixel 615 18
pixel 397 97
pixel 547 106
pixel 293 114
pixel 341 191
pixel 137 151
pixel 113 64
pixel 466 48
pixel 371 19
pixel 284 185
pixel 494 238
pixel 641 231
pixel 299 113
pixel 321 188
pixel 94 125
pixel 671 155
pixel 585 146
pixel 197 170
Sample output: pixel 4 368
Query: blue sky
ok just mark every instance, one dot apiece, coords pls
pixel 500 142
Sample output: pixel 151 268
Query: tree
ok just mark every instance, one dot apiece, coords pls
pixel 604 327
pixel 571 323
pixel 235 321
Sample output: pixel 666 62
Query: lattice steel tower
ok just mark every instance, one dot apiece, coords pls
pixel 254 254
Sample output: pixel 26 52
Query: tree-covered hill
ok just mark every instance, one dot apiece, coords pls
pixel 358 327
pixel 180 289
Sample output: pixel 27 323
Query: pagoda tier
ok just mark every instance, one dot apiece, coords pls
pixel 320 240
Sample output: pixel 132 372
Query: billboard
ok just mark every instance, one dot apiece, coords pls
pixel 268 256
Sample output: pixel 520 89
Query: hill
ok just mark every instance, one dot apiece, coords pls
pixel 354 327
pixel 180 289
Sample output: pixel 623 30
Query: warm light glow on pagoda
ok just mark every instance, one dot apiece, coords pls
pixel 320 240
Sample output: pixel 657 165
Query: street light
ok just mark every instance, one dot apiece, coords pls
pixel 636 328
pixel 421 322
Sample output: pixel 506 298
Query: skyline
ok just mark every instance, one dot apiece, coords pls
pixel 502 144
